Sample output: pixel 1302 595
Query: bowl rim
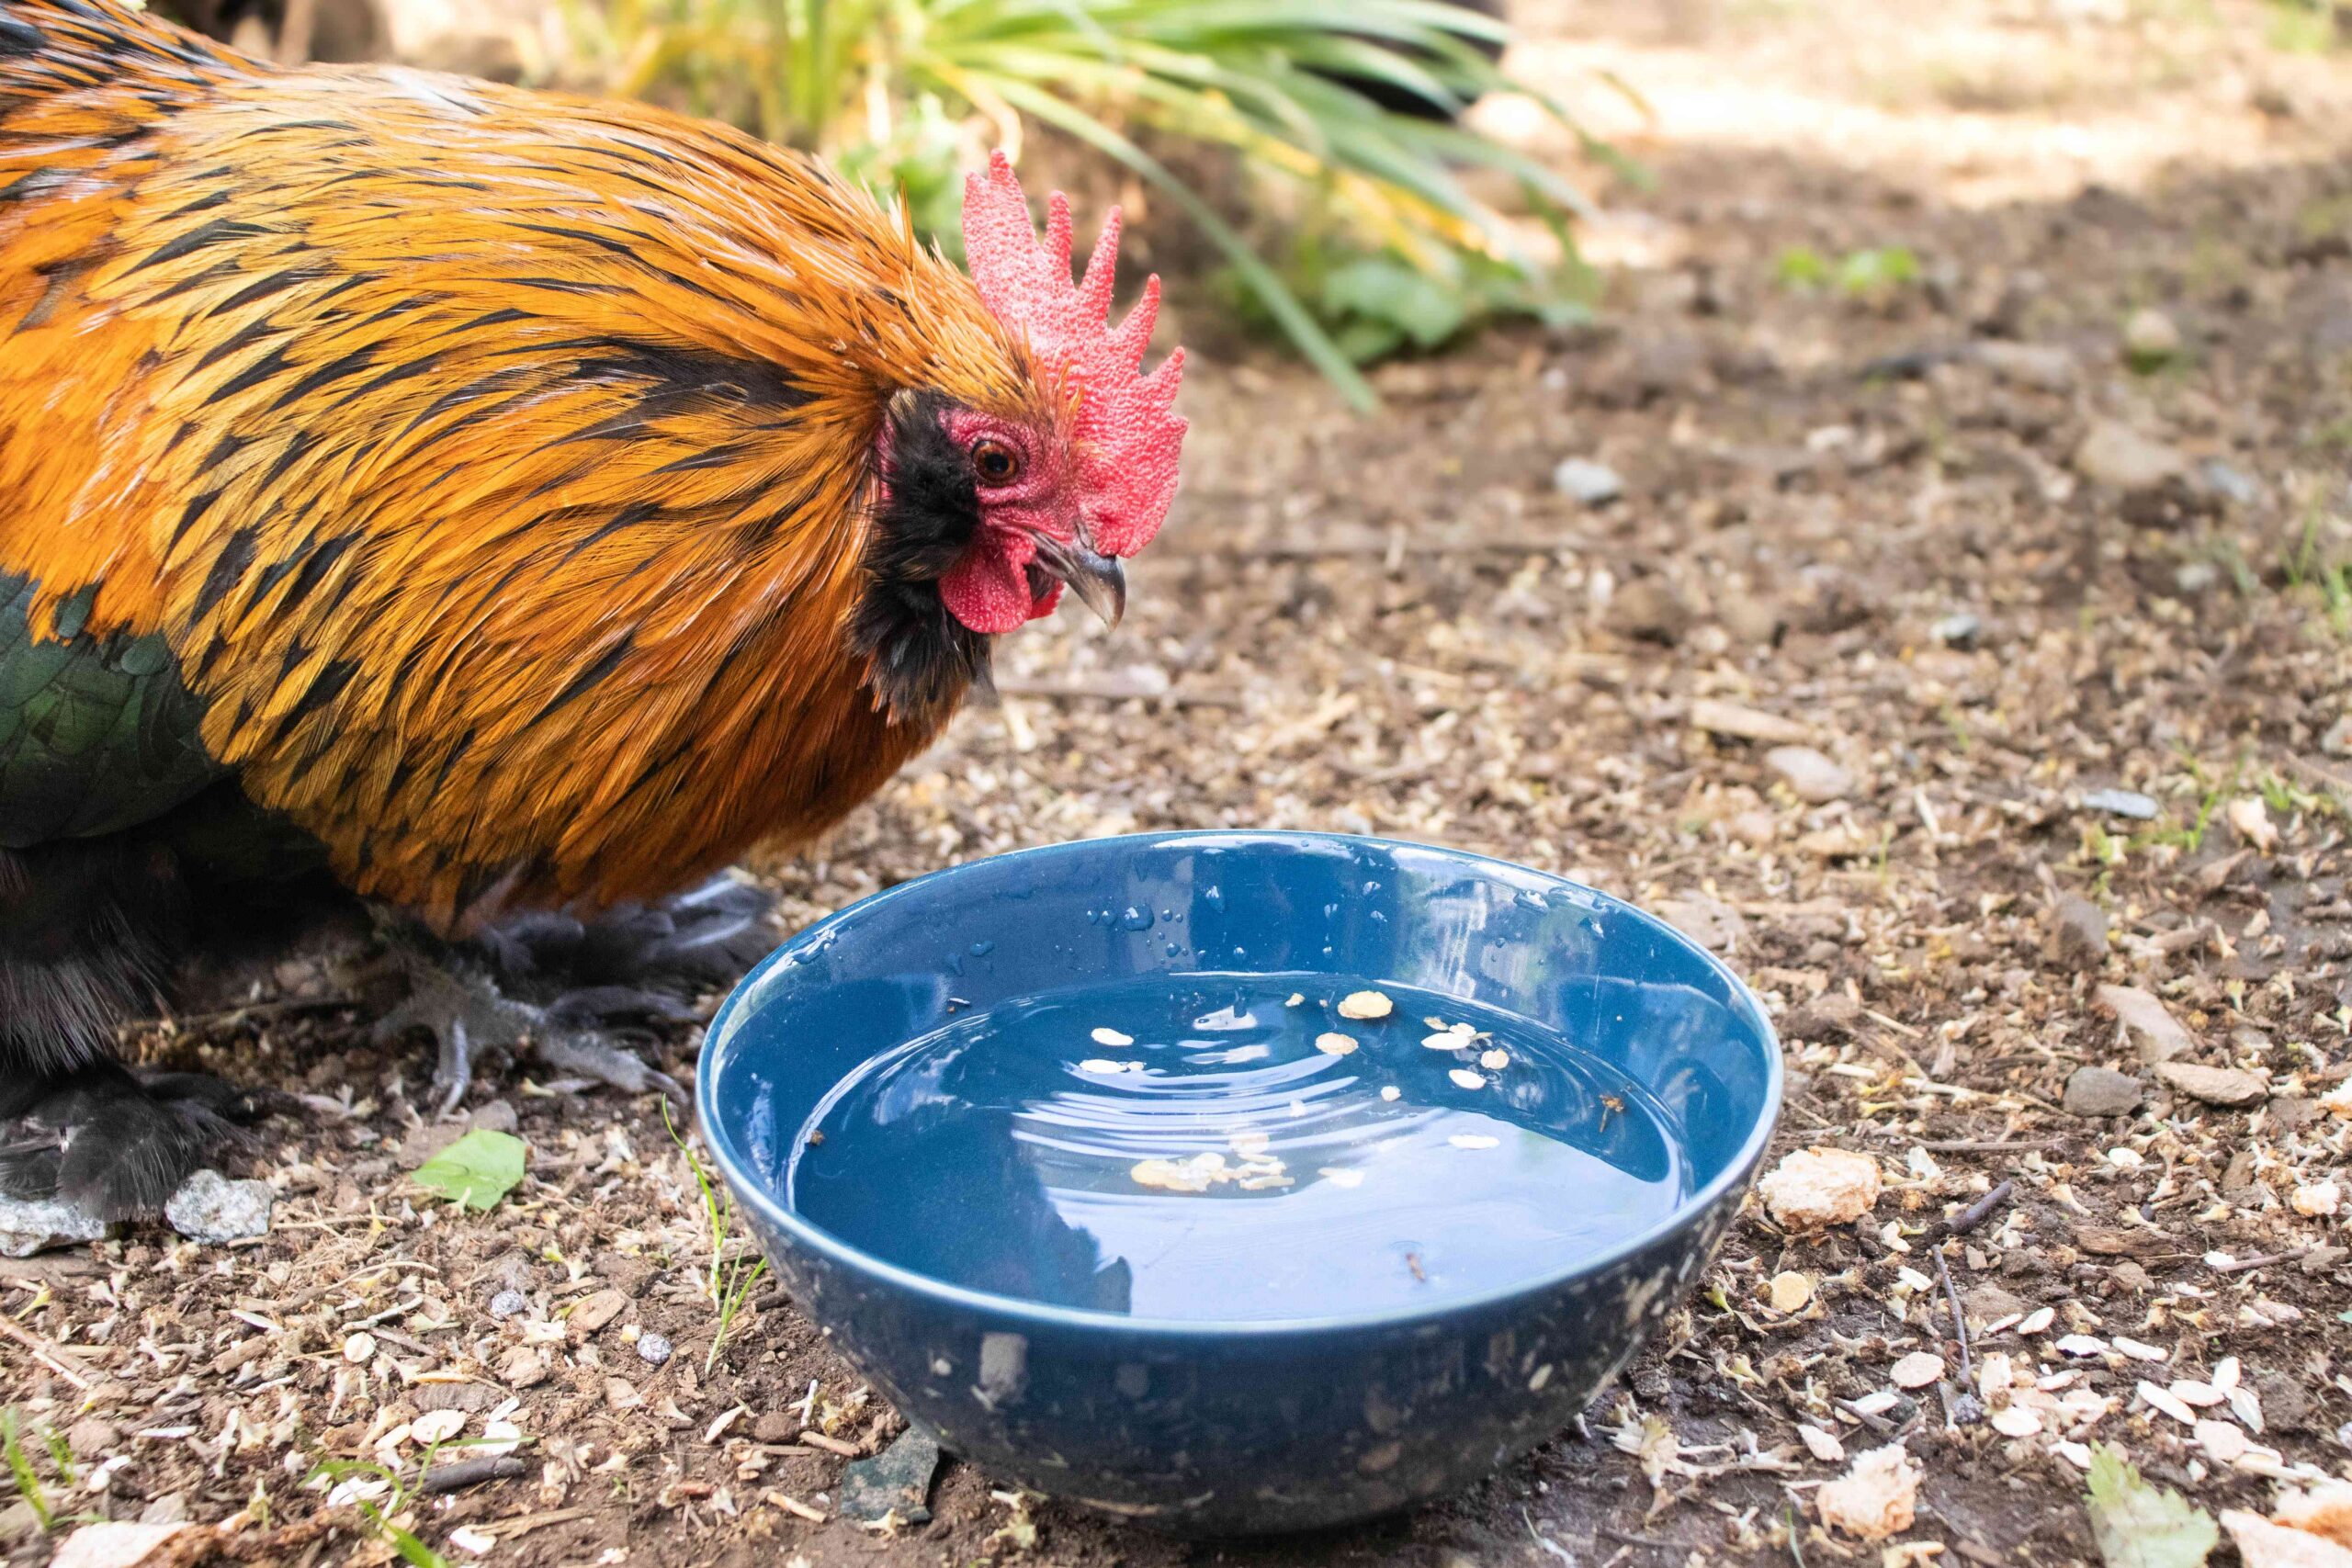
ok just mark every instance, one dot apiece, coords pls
pixel 1736 1174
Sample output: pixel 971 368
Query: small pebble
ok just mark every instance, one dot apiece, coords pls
pixel 1959 629
pixel 1582 480
pixel 2149 338
pixel 509 1303
pixel 653 1348
pixel 2128 803
pixel 211 1209
pixel 2078 931
pixel 2229 483
pixel 2101 1091
pixel 1816 1188
pixel 1810 775
pixel 2115 455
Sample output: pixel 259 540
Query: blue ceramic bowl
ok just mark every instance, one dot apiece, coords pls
pixel 1208 1428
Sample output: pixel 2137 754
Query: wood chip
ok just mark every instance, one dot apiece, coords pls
pixel 2163 1400
pixel 2231 1088
pixel 1823 1446
pixel 1746 724
pixel 2016 1421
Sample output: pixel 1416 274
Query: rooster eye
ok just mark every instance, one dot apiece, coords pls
pixel 995 462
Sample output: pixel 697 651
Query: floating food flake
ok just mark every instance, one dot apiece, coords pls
pixel 1465 1079
pixel 1335 1044
pixel 1113 1037
pixel 1474 1140
pixel 1365 1005
pixel 1258 1171
pixel 1493 1061
pixel 1341 1176
pixel 1105 1065
pixel 1297 997
pixel 1391 1093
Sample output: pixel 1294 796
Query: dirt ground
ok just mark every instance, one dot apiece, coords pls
pixel 1928 521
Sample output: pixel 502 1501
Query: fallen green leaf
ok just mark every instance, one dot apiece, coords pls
pixel 2138 1525
pixel 476 1170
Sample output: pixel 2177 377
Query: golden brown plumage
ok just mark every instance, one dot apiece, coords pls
pixel 521 501
pixel 492 461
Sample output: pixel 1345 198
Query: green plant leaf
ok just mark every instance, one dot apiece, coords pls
pixel 476 1170
pixel 894 92
pixel 1418 306
pixel 2136 1525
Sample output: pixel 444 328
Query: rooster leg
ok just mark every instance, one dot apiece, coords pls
pixel 465 1011
pixel 564 986
pixel 89 926
pixel 116 1143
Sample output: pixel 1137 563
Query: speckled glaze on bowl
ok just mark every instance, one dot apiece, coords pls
pixel 1205 1428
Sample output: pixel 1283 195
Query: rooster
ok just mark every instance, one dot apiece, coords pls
pixel 508 507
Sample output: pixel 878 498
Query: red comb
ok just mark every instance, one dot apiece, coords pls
pixel 1127 438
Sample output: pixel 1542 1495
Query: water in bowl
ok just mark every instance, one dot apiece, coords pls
pixel 1231 1147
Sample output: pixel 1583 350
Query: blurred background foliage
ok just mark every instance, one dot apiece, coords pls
pixel 1317 148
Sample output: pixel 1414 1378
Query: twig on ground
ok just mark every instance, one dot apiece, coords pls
pixel 58 1359
pixel 2239 1266
pixel 472 1472
pixel 1624 1539
pixel 1959 1322
pixel 1976 1213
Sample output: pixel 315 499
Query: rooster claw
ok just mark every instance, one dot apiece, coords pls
pixel 591 1058
pixel 465 1011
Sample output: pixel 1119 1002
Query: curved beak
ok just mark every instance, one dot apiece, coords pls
pixel 1097 580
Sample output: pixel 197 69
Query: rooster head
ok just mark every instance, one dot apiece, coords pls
pixel 1052 488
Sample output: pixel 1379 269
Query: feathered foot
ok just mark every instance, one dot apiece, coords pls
pixel 116 1143
pixel 560 985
